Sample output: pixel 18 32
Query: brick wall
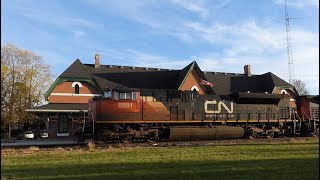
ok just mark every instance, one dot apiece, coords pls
pixel 192 79
pixel 85 93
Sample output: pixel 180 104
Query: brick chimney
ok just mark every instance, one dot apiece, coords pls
pixel 247 70
pixel 97 61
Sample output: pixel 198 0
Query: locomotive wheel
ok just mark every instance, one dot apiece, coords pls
pixel 127 139
pixel 151 140
pixel 254 134
pixel 152 137
pixel 271 134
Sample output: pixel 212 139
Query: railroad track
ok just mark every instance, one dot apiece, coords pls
pixel 174 143
pixel 208 142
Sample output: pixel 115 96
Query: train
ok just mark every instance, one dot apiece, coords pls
pixel 153 115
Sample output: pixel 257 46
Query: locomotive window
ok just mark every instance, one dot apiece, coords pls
pixel 125 95
pixel 128 95
pixel 134 95
pixel 115 95
pixel 122 95
pixel 107 94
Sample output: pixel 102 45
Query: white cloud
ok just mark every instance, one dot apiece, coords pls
pixel 63 21
pixel 78 34
pixel 192 6
pixel 261 44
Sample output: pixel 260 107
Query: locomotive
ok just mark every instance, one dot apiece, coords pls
pixel 151 115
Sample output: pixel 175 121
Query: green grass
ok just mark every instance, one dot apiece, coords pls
pixel 291 160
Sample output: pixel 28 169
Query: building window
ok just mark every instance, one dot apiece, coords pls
pixel 76 86
pixel 283 92
pixel 76 89
pixel 194 88
pixel 63 123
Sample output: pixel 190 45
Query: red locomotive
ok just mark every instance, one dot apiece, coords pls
pixel 186 115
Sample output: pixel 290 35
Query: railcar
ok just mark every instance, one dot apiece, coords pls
pixel 186 115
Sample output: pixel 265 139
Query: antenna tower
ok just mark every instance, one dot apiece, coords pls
pixel 289 46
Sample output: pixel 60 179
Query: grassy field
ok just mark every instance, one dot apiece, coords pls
pixel 290 160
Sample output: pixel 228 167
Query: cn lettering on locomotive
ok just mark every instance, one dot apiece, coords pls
pixel 218 105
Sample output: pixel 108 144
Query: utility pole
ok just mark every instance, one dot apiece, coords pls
pixel 289 46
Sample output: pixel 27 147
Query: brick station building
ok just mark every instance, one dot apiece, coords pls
pixel 69 95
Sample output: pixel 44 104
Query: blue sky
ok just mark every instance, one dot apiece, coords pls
pixel 221 35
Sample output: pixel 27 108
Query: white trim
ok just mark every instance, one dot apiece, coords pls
pixel 74 84
pixel 292 99
pixel 54 110
pixel 72 94
pixel 283 91
pixel 194 87
pixel 62 134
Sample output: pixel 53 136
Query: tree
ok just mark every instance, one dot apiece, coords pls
pixel 300 87
pixel 24 79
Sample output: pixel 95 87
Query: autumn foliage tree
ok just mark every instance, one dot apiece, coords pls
pixel 24 79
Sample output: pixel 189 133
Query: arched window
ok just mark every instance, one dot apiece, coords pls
pixel 194 88
pixel 76 86
pixel 76 89
pixel 283 92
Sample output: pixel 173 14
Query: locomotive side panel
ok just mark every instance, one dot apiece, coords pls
pixel 155 111
pixel 120 110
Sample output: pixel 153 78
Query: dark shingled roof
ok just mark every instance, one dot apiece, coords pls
pixel 125 77
pixel 228 83
pixel 76 70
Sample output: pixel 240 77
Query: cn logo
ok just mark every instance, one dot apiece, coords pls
pixel 219 104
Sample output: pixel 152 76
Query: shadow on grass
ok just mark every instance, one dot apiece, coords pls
pixel 244 169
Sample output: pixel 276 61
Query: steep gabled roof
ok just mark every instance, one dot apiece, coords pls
pixel 76 70
pixel 278 81
pixel 183 74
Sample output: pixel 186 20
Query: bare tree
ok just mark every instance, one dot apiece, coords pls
pixel 24 79
pixel 300 87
